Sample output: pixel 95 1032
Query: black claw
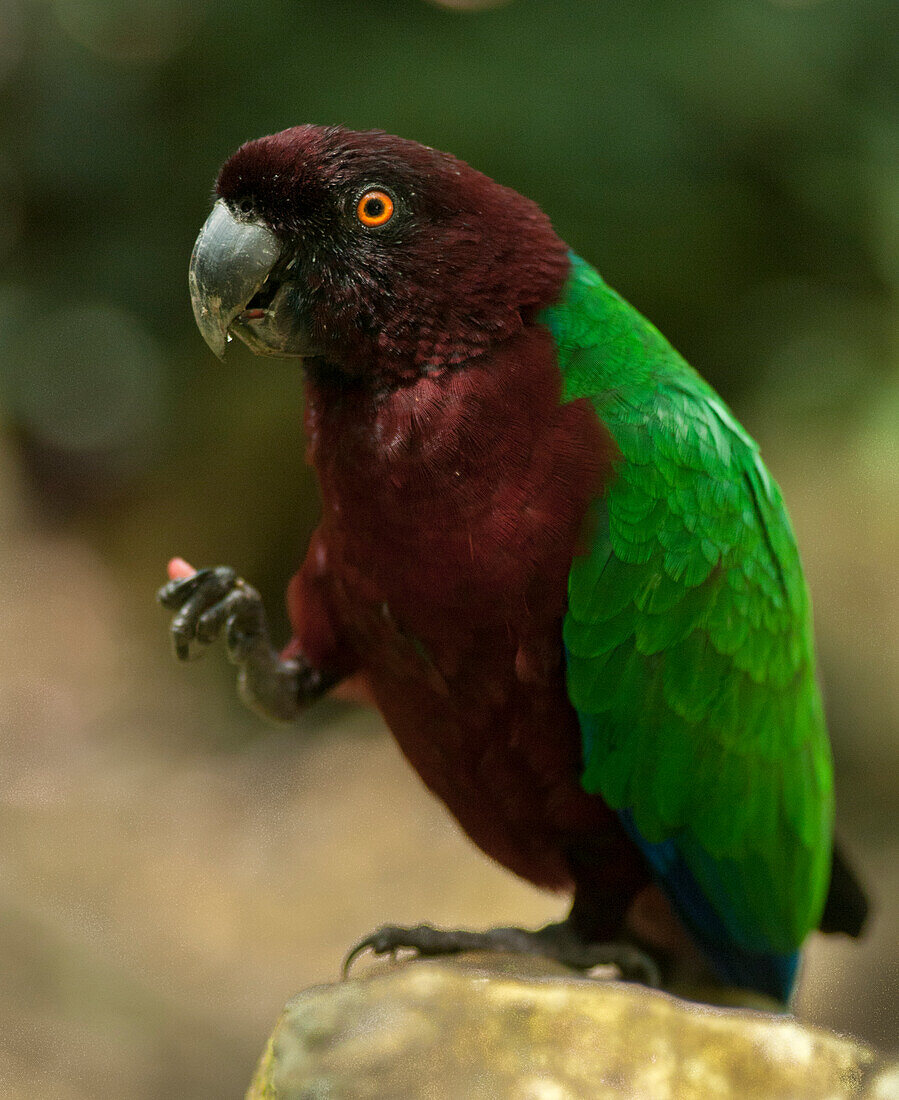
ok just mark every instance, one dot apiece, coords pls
pixel 353 954
pixel 424 939
pixel 556 942
pixel 386 940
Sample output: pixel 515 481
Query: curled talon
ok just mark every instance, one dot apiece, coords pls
pixel 385 940
pixel 354 954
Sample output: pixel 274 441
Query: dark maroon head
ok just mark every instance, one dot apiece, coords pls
pixel 393 259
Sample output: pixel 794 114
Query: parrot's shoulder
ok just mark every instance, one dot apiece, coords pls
pixel 608 352
pixel 669 424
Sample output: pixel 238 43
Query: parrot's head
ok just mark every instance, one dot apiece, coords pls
pixel 372 254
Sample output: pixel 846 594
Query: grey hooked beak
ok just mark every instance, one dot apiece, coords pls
pixel 230 262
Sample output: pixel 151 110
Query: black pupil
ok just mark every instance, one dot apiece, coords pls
pixel 374 208
pixel 246 206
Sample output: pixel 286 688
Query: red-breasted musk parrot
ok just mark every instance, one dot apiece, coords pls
pixel 547 548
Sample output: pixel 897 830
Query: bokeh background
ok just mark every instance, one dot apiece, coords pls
pixel 171 870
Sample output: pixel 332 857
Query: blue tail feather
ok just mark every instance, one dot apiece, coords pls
pixel 766 972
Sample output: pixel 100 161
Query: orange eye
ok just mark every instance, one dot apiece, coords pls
pixel 374 208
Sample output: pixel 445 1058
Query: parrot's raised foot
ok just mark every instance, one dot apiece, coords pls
pixel 209 601
pixel 556 941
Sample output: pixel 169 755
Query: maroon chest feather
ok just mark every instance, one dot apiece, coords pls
pixel 452 508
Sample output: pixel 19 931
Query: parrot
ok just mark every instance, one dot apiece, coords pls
pixel 548 552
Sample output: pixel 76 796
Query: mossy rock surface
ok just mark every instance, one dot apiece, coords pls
pixel 489 1027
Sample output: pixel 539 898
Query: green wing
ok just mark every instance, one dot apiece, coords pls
pixel 688 632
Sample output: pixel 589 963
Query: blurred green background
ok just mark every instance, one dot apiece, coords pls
pixel 171 870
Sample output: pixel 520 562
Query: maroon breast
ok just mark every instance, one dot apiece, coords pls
pixel 452 509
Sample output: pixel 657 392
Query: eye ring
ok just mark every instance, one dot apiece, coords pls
pixel 375 208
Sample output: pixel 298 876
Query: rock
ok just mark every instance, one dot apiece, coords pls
pixel 489 1028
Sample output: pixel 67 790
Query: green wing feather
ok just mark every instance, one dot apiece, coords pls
pixel 688 632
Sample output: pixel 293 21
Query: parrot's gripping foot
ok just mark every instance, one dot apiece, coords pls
pixel 556 941
pixel 209 602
